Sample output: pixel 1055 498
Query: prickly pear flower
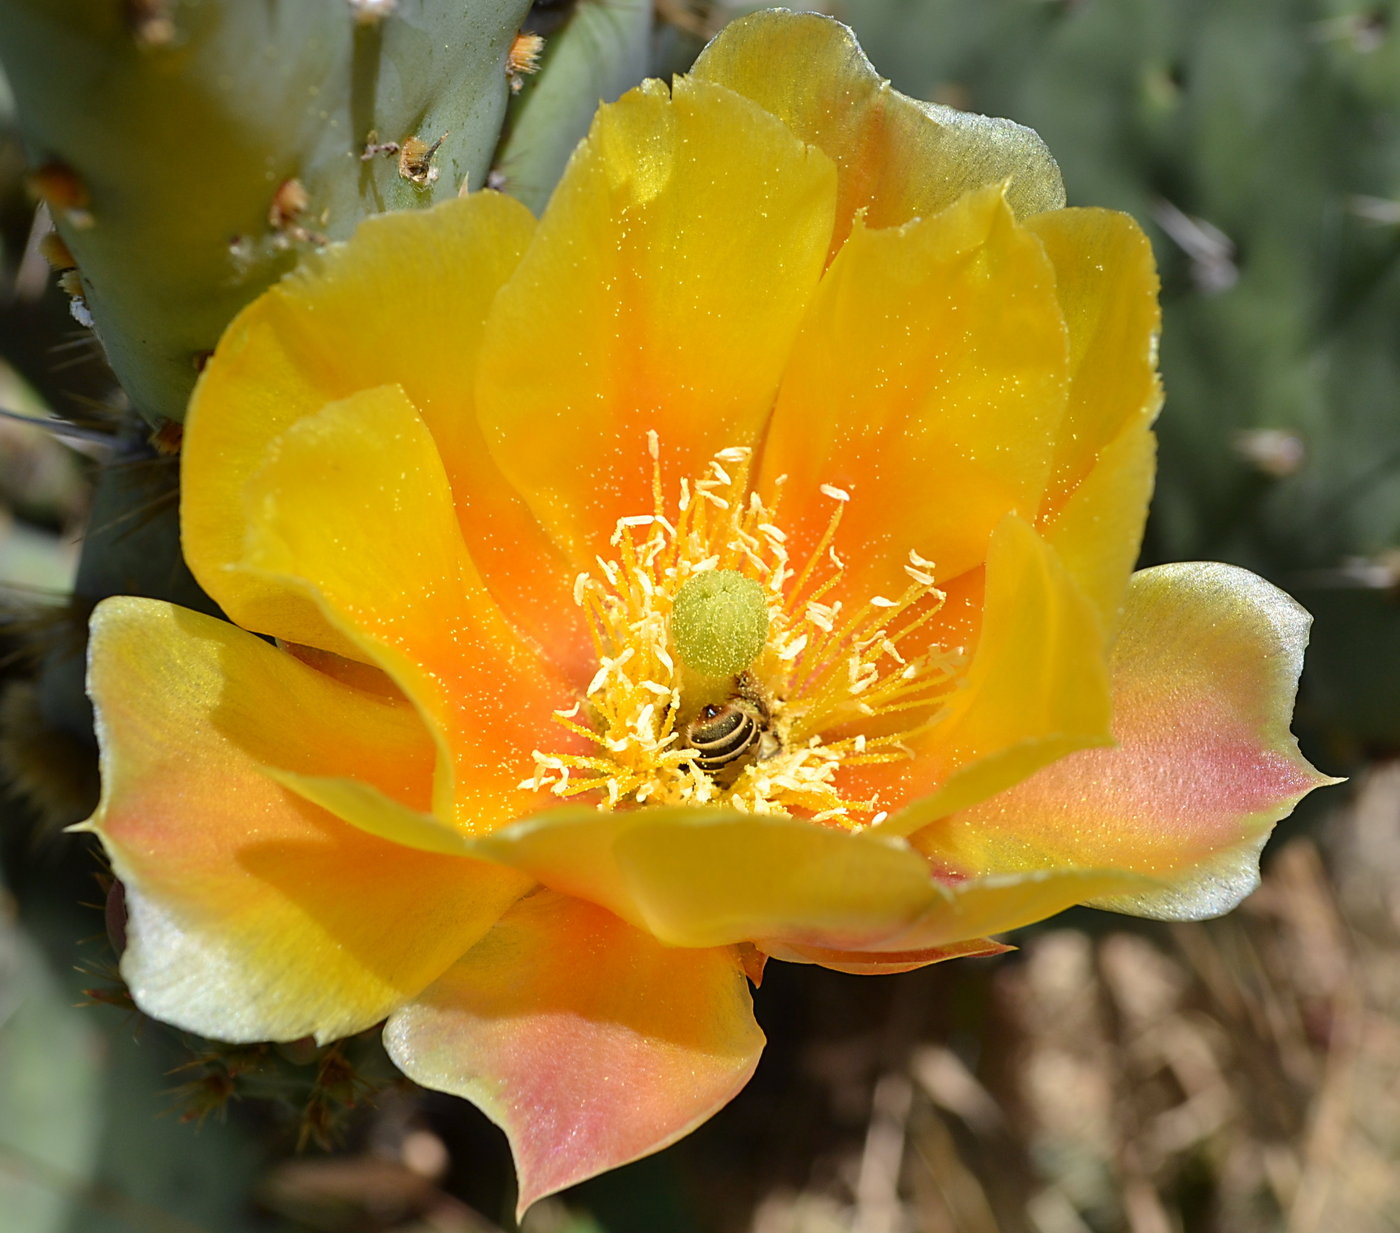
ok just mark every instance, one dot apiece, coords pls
pixel 733 564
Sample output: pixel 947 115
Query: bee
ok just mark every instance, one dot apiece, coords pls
pixel 727 736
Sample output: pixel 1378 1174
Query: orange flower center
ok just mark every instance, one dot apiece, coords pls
pixel 832 687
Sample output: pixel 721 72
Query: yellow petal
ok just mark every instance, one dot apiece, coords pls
pixel 353 508
pixel 661 292
pixel 375 812
pixel 1097 529
pixel 1204 673
pixel 1095 503
pixel 404 303
pixel 589 1043
pixel 1106 283
pixel 928 381
pixel 254 915
pixel 898 158
pixel 999 903
pixel 712 877
pixel 709 877
pixel 745 878
pixel 1036 688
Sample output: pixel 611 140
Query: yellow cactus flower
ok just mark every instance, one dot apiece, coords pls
pixel 734 563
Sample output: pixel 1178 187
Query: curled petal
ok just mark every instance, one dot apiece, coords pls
pixel 253 914
pixel 1097 530
pixel 1204 674
pixel 1106 283
pixel 713 877
pixel 749 879
pixel 945 337
pixel 1036 687
pixel 708 877
pixel 703 878
pixel 404 303
pixel 588 1042
pixel 353 509
pixel 692 877
pixel 898 158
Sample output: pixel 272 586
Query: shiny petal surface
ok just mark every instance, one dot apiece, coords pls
pixel 999 903
pixel 404 303
pixel 706 878
pixel 928 381
pixel 661 292
pixel 1097 530
pixel 352 505
pixel 1036 688
pixel 1095 503
pixel 1204 673
pixel 712 877
pixel 588 1042
pixel 751 879
pixel 899 158
pixel 254 915
pixel 376 813
pixel 1106 283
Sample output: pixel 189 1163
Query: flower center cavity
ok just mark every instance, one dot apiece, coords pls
pixel 729 675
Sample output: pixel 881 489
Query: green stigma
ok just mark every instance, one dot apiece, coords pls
pixel 719 622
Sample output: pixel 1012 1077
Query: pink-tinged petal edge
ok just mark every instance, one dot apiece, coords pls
pixel 1204 675
pixel 255 915
pixel 586 1041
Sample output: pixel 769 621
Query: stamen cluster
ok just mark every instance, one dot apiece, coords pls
pixel 829 679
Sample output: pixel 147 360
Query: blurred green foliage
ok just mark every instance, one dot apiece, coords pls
pixel 86 1141
pixel 221 140
pixel 601 50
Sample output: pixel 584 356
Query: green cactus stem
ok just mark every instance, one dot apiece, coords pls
pixel 603 51
pixel 190 149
